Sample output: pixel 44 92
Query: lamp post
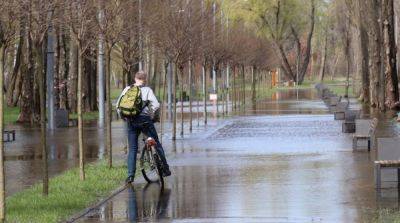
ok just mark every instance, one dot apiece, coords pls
pixel 100 67
pixel 140 37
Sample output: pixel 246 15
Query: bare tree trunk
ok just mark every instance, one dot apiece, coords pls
pixel 153 70
pixel 57 69
pixel 181 96
pixel 86 81
pixel 160 79
pixel 234 88
pixel 285 62
pixel 306 61
pixel 347 52
pixel 392 90
pixel 2 170
pixel 253 84
pixel 243 88
pixel 73 76
pixel 12 80
pixel 124 77
pixel 374 52
pixel 27 71
pixel 18 89
pixel 63 73
pixel 323 63
pixel 163 101
pixel 79 110
pixel 108 105
pixel 42 95
pixel 228 87
pixel 174 77
pixel 222 90
pixel 92 88
pixel 363 54
pixel 190 96
pixel 204 93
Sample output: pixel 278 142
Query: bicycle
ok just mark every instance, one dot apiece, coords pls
pixel 150 162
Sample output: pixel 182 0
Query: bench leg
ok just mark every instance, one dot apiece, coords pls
pixel 355 143
pixel 378 176
pixel 13 135
pixel 369 145
pixel 398 178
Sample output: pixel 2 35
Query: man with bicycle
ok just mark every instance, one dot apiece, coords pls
pixel 141 121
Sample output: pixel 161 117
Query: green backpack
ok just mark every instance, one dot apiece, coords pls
pixel 131 103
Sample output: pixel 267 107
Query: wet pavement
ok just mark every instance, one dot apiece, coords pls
pixel 285 160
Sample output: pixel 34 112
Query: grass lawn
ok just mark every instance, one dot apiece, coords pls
pixel 267 92
pixel 115 92
pixel 387 215
pixel 10 115
pixel 67 194
pixel 87 116
pixel 341 90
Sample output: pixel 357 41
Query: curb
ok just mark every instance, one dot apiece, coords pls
pixel 96 205
pixel 115 192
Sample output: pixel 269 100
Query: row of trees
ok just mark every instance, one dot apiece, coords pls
pixel 375 49
pixel 289 25
pixel 360 40
pixel 67 46
pixel 72 53
pixel 356 39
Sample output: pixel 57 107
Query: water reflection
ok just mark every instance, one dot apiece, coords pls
pixel 154 202
pixel 132 205
pixel 147 203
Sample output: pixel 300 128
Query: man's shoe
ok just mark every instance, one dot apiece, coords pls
pixel 167 172
pixel 129 180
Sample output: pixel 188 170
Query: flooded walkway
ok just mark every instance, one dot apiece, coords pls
pixel 283 161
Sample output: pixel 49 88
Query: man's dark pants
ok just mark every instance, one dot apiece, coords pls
pixel 141 124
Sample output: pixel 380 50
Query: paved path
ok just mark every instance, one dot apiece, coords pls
pixel 286 168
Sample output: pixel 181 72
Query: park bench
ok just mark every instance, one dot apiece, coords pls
pixel 327 94
pixel 335 100
pixel 349 124
pixel 365 130
pixel 320 87
pixel 388 158
pixel 9 135
pixel 381 164
pixel 339 109
pixel 72 122
pixel 342 113
pixel 339 114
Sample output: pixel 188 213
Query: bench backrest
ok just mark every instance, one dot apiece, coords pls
pixel 335 100
pixel 373 126
pixel 352 115
pixel 366 127
pixel 388 149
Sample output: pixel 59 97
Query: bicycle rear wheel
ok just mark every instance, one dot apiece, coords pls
pixel 151 166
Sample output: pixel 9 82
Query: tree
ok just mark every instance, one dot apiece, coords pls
pixel 389 57
pixel 363 55
pixel 110 26
pixel 283 22
pixel 81 16
pixel 7 34
pixel 40 13
pixel 174 38
pixel 128 46
pixel 375 61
